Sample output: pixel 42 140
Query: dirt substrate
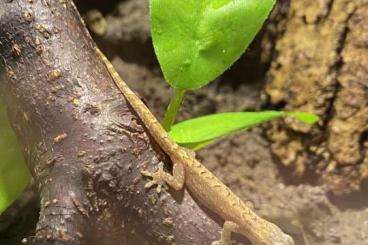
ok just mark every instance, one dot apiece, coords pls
pixel 243 161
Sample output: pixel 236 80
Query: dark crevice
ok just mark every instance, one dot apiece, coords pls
pixel 354 200
pixel 283 16
pixel 20 219
pixel 269 106
pixel 103 6
pixel 327 13
pixel 131 52
pixel 335 69
pixel 362 142
pixel 290 178
pixel 329 8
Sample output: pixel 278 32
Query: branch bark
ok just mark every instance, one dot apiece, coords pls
pixel 83 143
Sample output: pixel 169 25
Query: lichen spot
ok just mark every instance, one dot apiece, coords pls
pixel 81 154
pixel 16 50
pixel 25 116
pixel 54 75
pixel 41 29
pixel 168 221
pixel 10 74
pixel 60 138
pixel 38 45
pixel 28 16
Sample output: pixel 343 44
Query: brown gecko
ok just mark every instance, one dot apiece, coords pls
pixel 210 191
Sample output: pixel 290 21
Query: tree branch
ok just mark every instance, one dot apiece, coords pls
pixel 83 143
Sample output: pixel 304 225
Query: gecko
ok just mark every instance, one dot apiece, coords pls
pixel 205 186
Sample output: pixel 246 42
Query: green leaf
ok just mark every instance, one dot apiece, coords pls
pixel 14 175
pixel 197 40
pixel 199 132
pixel 304 117
pixel 197 145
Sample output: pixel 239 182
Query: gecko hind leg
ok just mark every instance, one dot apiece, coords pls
pixel 162 178
pixel 228 228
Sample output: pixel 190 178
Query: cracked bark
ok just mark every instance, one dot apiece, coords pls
pixel 321 68
pixel 84 145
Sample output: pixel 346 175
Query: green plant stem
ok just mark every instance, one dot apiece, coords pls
pixel 173 109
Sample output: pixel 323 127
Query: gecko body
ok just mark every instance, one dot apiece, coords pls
pixel 209 190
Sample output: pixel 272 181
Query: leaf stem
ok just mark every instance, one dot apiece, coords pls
pixel 173 109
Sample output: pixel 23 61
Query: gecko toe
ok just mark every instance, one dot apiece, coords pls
pixel 160 185
pixel 160 167
pixel 159 188
pixel 149 184
pixel 146 173
pixel 218 243
pixel 158 178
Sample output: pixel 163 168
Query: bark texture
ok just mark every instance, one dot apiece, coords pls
pixel 321 67
pixel 83 143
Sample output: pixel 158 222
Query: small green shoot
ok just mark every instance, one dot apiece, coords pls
pixel 14 175
pixel 200 132
pixel 173 109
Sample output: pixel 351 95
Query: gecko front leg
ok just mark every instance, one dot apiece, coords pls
pixel 161 178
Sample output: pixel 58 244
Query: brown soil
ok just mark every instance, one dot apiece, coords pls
pixel 244 162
